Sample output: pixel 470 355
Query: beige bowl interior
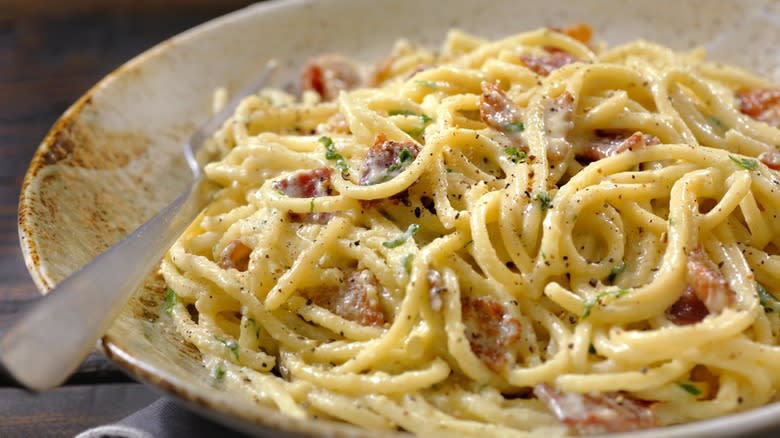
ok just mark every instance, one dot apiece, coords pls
pixel 114 159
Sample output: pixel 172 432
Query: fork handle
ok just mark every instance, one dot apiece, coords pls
pixel 48 342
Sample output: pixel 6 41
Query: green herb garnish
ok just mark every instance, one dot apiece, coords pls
pixel 617 270
pixel 717 123
pixel 311 206
pixel 424 120
pixel 401 112
pixel 170 300
pixel 332 155
pixel 219 372
pixel 405 157
pixel 690 388
pixel 400 240
pixel 232 346
pixel 592 301
pixel 744 163
pixel 426 83
pixel 514 127
pixel 254 324
pixel 544 199
pixel 592 349
pixel 408 263
pixel 516 155
pixel 767 300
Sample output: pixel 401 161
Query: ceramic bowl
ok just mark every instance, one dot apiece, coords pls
pixel 113 159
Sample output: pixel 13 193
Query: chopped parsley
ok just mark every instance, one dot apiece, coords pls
pixel 513 127
pixel 744 163
pixel 170 300
pixel 254 324
pixel 591 349
pixel 515 154
pixel 311 206
pixel 617 270
pixel 427 84
pixel 598 298
pixel 767 300
pixel 400 240
pixel 332 155
pixel 219 372
pixel 408 263
pixel 717 124
pixel 405 157
pixel 424 121
pixel 399 112
pixel 690 388
pixel 232 346
pixel 544 199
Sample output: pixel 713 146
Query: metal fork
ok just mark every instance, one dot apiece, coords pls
pixel 48 342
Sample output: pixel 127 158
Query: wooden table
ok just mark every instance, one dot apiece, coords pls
pixel 50 53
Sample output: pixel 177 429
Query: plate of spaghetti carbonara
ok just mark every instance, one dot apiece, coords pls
pixel 538 234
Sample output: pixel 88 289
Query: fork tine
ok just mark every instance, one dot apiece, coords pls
pixel 214 122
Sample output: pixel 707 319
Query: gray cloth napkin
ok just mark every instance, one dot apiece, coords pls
pixel 166 419
pixel 161 419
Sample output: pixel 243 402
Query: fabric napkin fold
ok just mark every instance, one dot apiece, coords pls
pixel 161 419
pixel 166 419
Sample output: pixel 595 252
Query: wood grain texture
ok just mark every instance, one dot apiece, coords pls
pixel 69 410
pixel 50 53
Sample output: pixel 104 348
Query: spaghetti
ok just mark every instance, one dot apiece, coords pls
pixel 533 236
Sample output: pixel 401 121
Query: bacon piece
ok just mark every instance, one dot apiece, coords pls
pixel 545 64
pixel 609 144
pixel 492 332
pixel 435 289
pixel 762 104
pixel 357 300
pixel 558 121
pixel 771 159
pixel 580 32
pixel 382 71
pixel 499 112
pixel 707 282
pixel 330 74
pixel 386 159
pixel 400 198
pixel 307 184
pixel 591 414
pixel 689 309
pixel 235 255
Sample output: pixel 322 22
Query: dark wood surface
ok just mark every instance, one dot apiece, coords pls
pixel 49 55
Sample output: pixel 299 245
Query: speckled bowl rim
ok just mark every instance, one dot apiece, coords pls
pixel 751 421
